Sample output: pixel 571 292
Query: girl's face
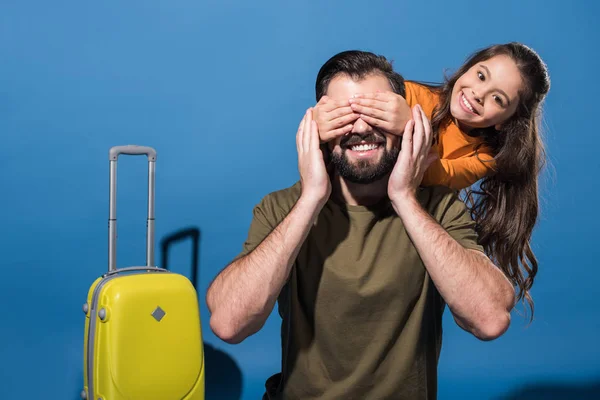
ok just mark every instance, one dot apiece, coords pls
pixel 487 94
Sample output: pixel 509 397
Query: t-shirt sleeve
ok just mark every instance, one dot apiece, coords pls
pixel 267 215
pixel 262 224
pixel 456 220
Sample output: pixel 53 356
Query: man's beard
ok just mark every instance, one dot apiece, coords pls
pixel 364 171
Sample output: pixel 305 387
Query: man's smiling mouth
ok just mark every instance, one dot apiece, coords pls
pixel 364 147
pixel 363 143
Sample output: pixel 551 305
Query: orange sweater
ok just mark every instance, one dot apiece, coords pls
pixel 458 166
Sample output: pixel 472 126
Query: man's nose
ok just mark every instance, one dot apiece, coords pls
pixel 361 126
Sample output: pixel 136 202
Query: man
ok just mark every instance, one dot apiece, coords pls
pixel 360 259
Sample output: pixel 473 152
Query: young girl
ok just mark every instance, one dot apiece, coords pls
pixel 486 118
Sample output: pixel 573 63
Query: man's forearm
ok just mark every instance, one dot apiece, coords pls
pixel 478 294
pixel 243 295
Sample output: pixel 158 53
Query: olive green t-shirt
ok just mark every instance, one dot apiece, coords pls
pixel 361 318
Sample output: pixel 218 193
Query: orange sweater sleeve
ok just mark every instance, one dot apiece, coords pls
pixel 421 95
pixel 459 173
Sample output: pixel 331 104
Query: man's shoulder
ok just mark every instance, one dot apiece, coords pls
pixel 277 204
pixel 285 197
pixel 436 192
pixel 436 199
pixel 451 212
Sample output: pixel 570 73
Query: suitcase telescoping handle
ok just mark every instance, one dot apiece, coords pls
pixel 112 217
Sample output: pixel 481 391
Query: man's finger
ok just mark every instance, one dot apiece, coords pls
pixel 314 136
pixel 426 127
pixel 306 131
pixel 407 138
pixel 418 131
pixel 299 135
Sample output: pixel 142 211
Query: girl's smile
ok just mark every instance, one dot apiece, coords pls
pixel 487 94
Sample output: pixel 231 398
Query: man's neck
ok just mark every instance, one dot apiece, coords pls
pixel 355 194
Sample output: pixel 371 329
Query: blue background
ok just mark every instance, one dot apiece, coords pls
pixel 218 88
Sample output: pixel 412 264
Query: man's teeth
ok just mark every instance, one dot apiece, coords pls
pixel 464 100
pixel 364 147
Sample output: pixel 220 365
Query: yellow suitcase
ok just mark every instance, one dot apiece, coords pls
pixel 143 339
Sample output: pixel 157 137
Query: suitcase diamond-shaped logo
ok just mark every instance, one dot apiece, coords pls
pixel 158 314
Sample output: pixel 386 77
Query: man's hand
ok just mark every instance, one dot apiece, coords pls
pixel 243 295
pixel 384 110
pixel 478 294
pixel 414 158
pixel 316 185
pixel 334 118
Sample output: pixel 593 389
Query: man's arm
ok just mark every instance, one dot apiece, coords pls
pixel 243 295
pixel 477 293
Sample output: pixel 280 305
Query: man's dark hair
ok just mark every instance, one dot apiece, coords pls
pixel 357 64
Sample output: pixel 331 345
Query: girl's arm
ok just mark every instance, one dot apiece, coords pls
pixel 382 110
pixel 459 173
pixel 389 111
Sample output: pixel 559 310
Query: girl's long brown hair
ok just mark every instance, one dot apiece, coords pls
pixel 505 207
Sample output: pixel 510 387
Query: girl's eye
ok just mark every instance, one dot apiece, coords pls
pixel 498 100
pixel 480 76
